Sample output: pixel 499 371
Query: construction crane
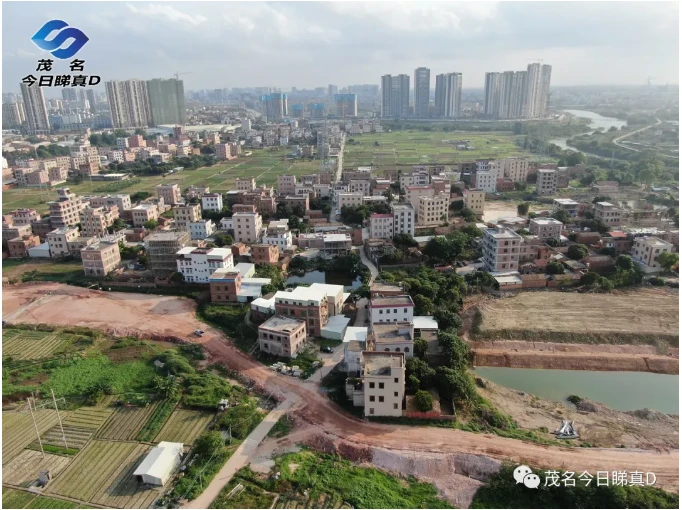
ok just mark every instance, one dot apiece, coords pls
pixel 178 74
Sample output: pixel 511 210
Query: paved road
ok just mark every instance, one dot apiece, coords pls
pixel 241 457
pixel 339 167
pixel 616 140
pixel 372 268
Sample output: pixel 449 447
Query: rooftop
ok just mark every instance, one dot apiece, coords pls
pixel 545 221
pixel 386 301
pixel 355 335
pixel 653 241
pixel 381 363
pixel 281 324
pixel 384 287
pixel 502 233
pixel 166 236
pixel 605 204
pixel 393 332
pixel 380 215
pixel 300 294
pixel 424 322
pixel 336 238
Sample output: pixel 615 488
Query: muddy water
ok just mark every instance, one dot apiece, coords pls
pixel 624 391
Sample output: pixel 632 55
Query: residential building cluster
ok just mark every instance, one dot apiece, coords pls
pixel 518 94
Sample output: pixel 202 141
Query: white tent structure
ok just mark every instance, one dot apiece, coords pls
pixel 158 465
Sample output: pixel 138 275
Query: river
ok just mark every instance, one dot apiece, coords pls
pixel 596 121
pixel 623 391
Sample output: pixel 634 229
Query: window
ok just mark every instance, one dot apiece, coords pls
pixel 371 410
pixel 395 380
pixel 395 393
pixel 381 399
pixel 371 385
pixel 371 398
pixel 381 386
pixel 395 406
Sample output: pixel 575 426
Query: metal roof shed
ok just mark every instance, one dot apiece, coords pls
pixel 158 465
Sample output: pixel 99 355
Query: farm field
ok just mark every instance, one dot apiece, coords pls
pixel 651 312
pixel 103 474
pixel 264 165
pixel 127 422
pixel 184 426
pixel 88 417
pixel 24 469
pixel 424 147
pixel 12 498
pixel 18 431
pixel 30 345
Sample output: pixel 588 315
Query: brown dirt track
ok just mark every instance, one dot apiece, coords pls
pixel 129 313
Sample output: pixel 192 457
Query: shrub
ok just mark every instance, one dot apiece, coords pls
pixel 423 401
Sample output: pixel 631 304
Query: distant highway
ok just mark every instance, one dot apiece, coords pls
pixel 616 140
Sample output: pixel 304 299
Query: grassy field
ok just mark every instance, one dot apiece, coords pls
pixel 25 468
pixel 127 422
pixel 103 474
pixel 421 147
pixel 184 426
pixel 264 165
pixel 314 480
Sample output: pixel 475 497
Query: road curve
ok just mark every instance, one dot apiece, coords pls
pixel 616 140
pixel 165 315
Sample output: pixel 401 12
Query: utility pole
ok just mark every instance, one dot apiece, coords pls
pixel 36 427
pixel 59 418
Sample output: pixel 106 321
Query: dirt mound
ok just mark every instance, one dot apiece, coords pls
pixel 650 415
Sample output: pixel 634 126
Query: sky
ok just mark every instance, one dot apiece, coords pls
pixel 312 44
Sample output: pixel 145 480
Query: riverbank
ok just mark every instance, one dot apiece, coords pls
pixel 596 423
pixel 567 356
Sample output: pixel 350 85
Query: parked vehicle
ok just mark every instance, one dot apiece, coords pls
pixel 327 349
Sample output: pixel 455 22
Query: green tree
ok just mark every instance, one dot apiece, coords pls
pixel 555 267
pixel 209 442
pixel 423 305
pixel 421 370
pixel 577 251
pixel 562 216
pixel 455 350
pixel 423 401
pixel 167 387
pixel 151 224
pixel 468 215
pixel 667 260
pixel 447 318
pixel 223 239
pixel 420 347
pixel 456 385
pixel 522 208
pixel 625 262
pixel 575 158
pixel 404 240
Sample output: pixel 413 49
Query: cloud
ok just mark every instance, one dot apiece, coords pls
pixel 170 13
pixel 308 44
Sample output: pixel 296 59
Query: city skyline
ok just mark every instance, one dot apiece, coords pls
pixel 392 38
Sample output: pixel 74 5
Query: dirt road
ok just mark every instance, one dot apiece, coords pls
pixel 128 313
